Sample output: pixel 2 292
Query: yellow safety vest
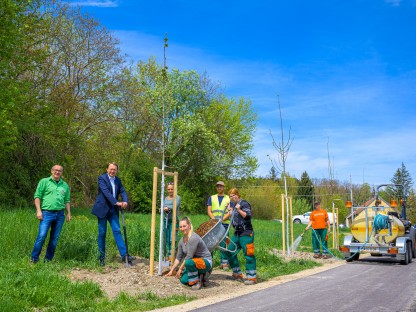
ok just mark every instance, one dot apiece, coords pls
pixel 217 209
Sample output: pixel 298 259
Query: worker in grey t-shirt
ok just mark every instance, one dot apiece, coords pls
pixel 195 255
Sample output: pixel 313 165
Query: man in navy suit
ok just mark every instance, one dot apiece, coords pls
pixel 106 208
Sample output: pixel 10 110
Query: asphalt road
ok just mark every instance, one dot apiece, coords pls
pixel 370 284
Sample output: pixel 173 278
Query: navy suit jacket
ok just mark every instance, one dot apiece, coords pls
pixel 105 199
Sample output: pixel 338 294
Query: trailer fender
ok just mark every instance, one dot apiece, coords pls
pixel 401 244
pixel 348 240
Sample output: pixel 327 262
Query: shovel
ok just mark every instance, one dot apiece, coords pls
pixel 125 239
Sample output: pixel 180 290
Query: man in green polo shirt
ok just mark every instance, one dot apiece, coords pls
pixel 52 197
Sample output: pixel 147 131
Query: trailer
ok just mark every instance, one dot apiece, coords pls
pixel 381 231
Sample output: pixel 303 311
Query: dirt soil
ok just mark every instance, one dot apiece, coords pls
pixel 115 278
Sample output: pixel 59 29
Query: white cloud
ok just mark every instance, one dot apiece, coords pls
pixel 92 3
pixel 394 2
pixel 366 155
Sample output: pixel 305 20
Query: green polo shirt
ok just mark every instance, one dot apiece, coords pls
pixel 53 195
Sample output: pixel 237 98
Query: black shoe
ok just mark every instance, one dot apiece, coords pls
pixel 102 262
pixel 128 260
pixel 131 258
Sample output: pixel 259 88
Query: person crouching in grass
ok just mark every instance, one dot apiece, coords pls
pixel 195 255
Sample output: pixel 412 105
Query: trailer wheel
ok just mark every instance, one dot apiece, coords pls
pixel 406 256
pixel 355 258
pixel 409 247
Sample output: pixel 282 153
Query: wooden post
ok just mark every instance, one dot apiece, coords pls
pixel 157 171
pixel 291 223
pixel 333 225
pixel 283 225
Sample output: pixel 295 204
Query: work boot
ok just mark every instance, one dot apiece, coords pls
pixel 102 262
pixel 197 286
pixel 238 277
pixel 249 282
pixel 207 275
pixel 224 266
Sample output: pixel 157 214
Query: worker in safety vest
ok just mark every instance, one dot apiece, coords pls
pixel 217 208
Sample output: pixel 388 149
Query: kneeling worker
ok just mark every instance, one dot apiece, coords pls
pixel 196 257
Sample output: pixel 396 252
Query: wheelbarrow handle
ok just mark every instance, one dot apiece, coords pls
pixel 230 243
pixel 226 236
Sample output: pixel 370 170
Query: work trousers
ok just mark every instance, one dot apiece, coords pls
pixel 194 267
pixel 223 244
pixel 246 243
pixel 318 238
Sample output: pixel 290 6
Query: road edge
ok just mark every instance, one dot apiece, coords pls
pixel 199 303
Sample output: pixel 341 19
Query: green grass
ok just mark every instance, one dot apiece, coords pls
pixel 44 286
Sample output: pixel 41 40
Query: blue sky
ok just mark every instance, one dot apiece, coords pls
pixel 345 72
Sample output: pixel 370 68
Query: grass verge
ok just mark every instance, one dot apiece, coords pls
pixel 44 286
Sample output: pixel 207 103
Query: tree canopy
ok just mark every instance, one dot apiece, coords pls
pixel 72 98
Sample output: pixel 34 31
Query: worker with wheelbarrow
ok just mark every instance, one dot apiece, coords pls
pixel 194 255
pixel 239 212
pixel 319 221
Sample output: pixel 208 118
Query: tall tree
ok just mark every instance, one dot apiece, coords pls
pixel 273 174
pixel 362 193
pixel 305 189
pixel 15 29
pixel 402 177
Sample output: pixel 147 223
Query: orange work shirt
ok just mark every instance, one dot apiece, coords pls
pixel 319 219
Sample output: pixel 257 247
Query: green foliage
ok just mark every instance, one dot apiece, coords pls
pixel 402 177
pixel 14 24
pixel 362 193
pixel 69 98
pixel 305 189
pixel 264 198
pixel 190 202
pixel 26 287
pixel 411 207
pixel 137 178
pixel 300 206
